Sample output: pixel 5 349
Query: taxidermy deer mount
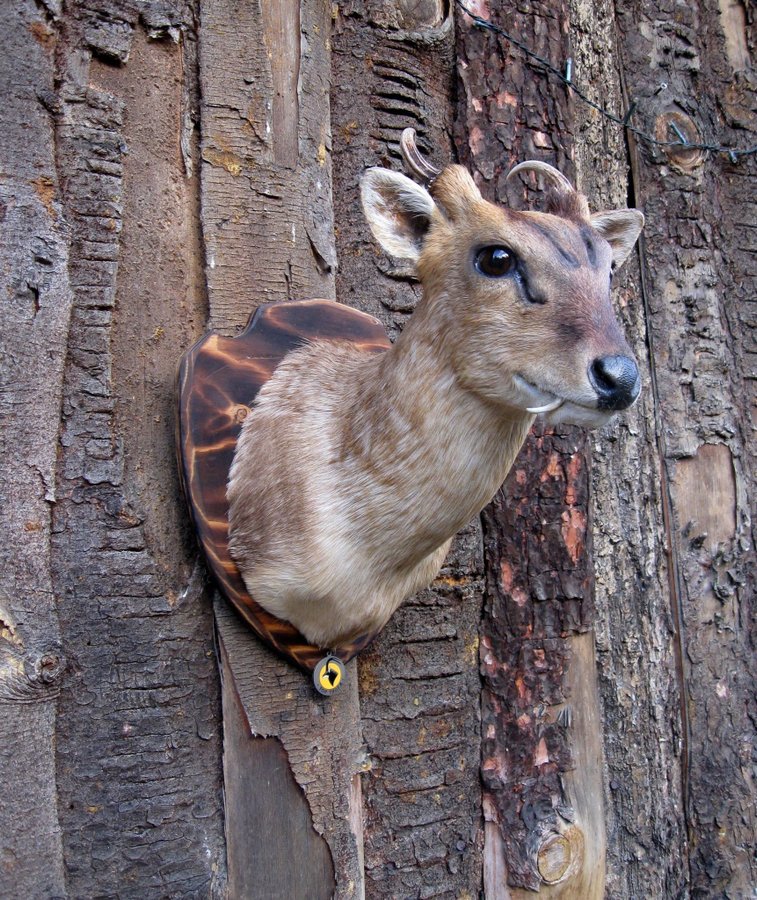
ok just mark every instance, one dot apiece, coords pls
pixel 354 469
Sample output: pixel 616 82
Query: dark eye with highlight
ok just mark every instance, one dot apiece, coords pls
pixel 495 262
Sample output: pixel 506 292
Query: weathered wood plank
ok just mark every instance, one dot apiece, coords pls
pixel 36 305
pixel 536 535
pixel 273 851
pixel 394 68
pixel 699 273
pixel 268 230
pixel 635 651
pixel 266 211
pixel 512 111
pixel 138 737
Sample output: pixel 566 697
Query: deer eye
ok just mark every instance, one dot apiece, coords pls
pixel 495 262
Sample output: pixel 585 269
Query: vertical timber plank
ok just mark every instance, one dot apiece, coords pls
pixel 268 230
pixel 420 689
pixel 699 267
pixel 558 565
pixel 138 731
pixel 636 656
pixel 35 298
pixel 536 532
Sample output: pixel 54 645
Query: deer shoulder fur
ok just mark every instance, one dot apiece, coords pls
pixel 354 471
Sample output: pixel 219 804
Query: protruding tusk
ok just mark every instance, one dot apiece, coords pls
pixel 547 408
pixel 413 159
pixel 557 177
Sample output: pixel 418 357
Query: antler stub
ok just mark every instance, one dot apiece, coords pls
pixel 414 161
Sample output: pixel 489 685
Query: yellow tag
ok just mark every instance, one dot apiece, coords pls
pixel 328 675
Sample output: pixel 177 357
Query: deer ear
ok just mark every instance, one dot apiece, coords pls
pixel 398 210
pixel 621 229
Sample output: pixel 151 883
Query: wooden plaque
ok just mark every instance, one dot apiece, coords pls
pixel 218 380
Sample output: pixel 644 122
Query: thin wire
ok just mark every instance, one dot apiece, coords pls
pixel 732 152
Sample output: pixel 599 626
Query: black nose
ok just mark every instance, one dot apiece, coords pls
pixel 616 381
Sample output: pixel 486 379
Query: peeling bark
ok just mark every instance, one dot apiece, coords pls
pixel 537 537
pixel 35 296
pixel 617 645
pixel 138 730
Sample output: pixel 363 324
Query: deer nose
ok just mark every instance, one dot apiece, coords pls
pixel 616 381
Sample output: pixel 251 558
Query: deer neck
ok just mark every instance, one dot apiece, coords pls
pixel 431 452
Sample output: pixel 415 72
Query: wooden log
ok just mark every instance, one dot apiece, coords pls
pixel 36 308
pixel 699 270
pixel 635 652
pixel 544 576
pixel 138 738
pixel 536 535
pixel 268 230
pixel 419 683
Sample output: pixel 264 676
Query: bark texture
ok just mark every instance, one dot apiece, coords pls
pixel 419 688
pixel 268 229
pixel 587 654
pixel 698 276
pixel 537 536
pixel 138 728
pixel 35 297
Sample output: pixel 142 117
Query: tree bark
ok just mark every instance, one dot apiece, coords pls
pixel 419 687
pixel 698 281
pixel 587 653
pixel 138 718
pixel 268 229
pixel 36 301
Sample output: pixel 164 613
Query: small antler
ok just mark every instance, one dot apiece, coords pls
pixel 564 200
pixel 555 176
pixel 413 159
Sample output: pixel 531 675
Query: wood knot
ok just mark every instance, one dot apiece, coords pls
pixel 49 668
pixel 560 855
pixel 671 126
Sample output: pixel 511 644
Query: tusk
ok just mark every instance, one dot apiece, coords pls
pixel 413 159
pixel 547 408
pixel 557 177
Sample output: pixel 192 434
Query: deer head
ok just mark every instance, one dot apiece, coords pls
pixel 530 291
pixel 354 470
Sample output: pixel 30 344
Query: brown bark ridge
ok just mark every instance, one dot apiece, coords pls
pixel 138 730
pixel 268 231
pixel 636 654
pixel 557 563
pixel 393 67
pixel 548 835
pixel 635 649
pixel 699 273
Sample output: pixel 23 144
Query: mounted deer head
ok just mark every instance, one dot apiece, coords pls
pixel 354 470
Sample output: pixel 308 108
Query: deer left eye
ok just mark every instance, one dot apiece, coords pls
pixel 495 262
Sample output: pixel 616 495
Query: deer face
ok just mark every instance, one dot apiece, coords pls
pixel 518 301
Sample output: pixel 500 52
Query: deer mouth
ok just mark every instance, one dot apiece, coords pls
pixel 539 401
pixel 559 409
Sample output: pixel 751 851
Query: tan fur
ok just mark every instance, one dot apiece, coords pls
pixel 354 471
